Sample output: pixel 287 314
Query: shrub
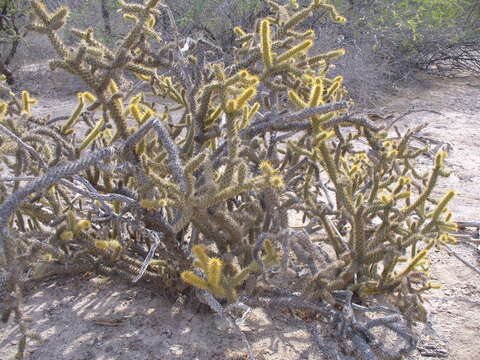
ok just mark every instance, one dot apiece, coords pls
pixel 412 33
pixel 201 202
pixel 214 19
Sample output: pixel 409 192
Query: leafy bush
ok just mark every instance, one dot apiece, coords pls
pixel 202 201
pixel 409 32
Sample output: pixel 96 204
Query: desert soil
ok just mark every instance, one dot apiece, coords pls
pixel 89 317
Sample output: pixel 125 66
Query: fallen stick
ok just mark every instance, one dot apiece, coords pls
pixel 412 112
pixel 452 252
pixel 464 224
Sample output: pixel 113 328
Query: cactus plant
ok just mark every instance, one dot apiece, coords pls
pixel 209 195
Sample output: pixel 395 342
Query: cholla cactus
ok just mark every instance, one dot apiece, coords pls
pixel 142 189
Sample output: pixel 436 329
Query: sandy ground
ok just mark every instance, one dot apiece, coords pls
pixel 96 318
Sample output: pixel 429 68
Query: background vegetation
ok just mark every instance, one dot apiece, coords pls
pixel 386 41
